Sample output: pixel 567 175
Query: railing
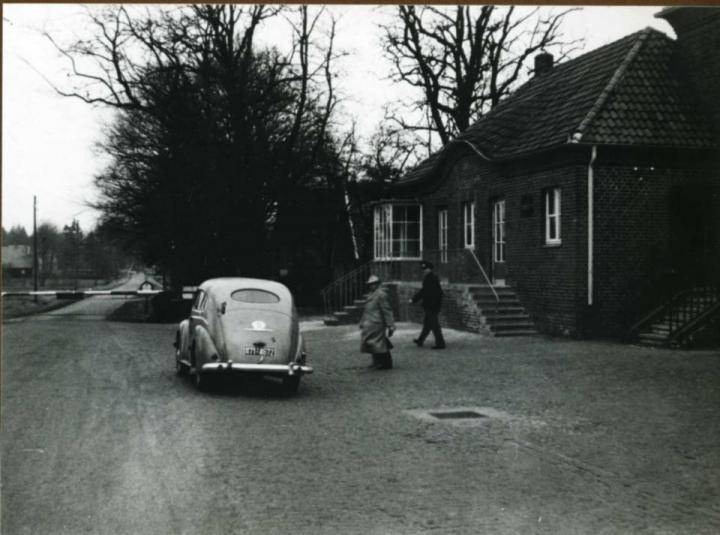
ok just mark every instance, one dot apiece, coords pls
pixel 681 312
pixel 453 265
pixel 346 289
pixel 484 274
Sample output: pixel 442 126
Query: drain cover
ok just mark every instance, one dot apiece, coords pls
pixel 457 415
pixel 462 416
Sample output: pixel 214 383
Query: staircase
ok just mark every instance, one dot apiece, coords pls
pixel 348 315
pixel 504 315
pixel 676 322
pixel 499 310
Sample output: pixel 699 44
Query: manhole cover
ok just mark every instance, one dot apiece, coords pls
pixel 463 416
pixel 457 415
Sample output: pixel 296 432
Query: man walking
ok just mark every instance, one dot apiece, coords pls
pixel 431 296
pixel 377 319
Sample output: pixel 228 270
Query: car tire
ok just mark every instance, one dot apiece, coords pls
pixel 290 384
pixel 180 368
pixel 202 381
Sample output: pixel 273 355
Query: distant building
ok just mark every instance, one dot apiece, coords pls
pixel 588 196
pixel 17 260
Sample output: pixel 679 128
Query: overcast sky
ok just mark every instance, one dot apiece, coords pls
pixel 48 142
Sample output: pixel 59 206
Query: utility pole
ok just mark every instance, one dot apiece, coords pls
pixel 35 247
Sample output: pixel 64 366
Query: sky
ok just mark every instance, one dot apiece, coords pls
pixel 49 142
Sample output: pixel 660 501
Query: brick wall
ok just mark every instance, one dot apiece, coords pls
pixel 640 254
pixel 549 280
pixel 459 310
pixel 633 192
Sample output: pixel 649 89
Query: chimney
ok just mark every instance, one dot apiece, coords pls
pixel 543 63
pixel 698 47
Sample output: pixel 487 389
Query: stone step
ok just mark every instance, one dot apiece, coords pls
pixel 496 319
pixel 502 310
pixel 511 325
pixel 490 302
pixel 506 334
pixel 344 318
pixel 501 292
pixel 331 321
pixel 653 338
pixel 352 309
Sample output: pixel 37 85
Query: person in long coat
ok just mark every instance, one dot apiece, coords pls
pixel 431 296
pixel 377 325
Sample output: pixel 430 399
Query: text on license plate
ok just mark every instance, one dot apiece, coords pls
pixel 260 351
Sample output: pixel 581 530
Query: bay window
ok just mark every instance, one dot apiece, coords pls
pixel 397 231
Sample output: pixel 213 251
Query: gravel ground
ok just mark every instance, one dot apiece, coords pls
pixel 99 436
pixel 579 437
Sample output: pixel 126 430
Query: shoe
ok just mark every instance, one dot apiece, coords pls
pixel 417 342
pixel 438 347
pixel 385 363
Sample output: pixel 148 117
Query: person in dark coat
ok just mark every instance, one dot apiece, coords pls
pixel 431 296
pixel 377 325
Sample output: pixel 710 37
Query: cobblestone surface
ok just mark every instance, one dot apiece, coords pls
pixel 580 437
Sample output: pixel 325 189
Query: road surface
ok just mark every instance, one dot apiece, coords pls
pixel 99 436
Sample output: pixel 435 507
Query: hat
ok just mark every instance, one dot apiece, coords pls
pixel 373 279
pixel 426 265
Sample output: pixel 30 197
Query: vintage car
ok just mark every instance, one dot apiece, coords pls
pixel 242 325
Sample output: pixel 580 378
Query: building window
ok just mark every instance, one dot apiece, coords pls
pixel 469 224
pixel 499 231
pixel 397 231
pixel 552 216
pixel 443 234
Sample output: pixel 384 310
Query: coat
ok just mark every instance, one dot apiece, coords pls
pixel 430 294
pixel 376 319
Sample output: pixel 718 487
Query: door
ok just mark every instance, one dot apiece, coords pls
pixel 691 235
pixel 498 242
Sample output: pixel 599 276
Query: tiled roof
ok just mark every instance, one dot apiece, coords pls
pixel 624 93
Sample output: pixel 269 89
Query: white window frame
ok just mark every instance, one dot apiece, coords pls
pixel 384 232
pixel 443 234
pixel 499 231
pixel 552 216
pixel 469 224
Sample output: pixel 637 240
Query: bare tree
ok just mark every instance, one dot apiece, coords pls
pixel 221 149
pixel 464 60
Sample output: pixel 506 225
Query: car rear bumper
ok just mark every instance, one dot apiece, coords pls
pixel 268 369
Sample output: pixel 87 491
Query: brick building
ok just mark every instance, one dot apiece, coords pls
pixel 590 195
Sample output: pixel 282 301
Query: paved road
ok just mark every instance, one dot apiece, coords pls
pixel 99 436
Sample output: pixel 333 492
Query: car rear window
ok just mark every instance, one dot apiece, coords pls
pixel 254 296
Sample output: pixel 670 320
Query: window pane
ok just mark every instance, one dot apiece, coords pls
pixel 254 296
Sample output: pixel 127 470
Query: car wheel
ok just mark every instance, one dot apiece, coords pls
pixel 180 368
pixel 202 381
pixel 290 384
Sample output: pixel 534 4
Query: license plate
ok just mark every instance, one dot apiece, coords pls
pixel 260 351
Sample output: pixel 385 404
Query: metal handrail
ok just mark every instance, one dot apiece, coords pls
pixel 678 307
pixel 345 289
pixel 482 270
pixel 687 329
pixel 351 285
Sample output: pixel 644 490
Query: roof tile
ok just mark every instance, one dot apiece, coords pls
pixel 624 93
